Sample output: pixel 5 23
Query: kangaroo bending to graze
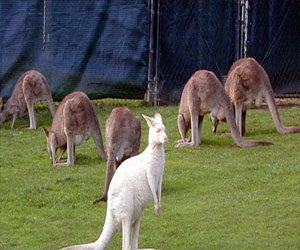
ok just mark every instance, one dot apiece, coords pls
pixel 247 85
pixel 30 88
pixel 123 136
pixel 202 94
pixel 75 120
pixel 136 182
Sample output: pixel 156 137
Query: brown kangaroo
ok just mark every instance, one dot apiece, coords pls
pixel 247 85
pixel 75 120
pixel 202 94
pixel 123 137
pixel 30 88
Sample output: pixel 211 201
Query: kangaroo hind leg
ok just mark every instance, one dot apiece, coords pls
pixel 71 153
pixel 135 234
pixel 51 105
pixel 126 223
pixel 238 117
pixel 32 120
pixel 13 120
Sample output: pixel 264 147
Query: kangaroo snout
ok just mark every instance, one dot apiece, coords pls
pixel 165 139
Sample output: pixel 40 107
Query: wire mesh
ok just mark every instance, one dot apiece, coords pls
pixel 207 35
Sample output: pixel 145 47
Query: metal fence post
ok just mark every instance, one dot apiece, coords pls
pixel 150 88
pixel 242 27
pixel 154 53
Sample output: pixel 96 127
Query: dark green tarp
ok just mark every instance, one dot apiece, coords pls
pixel 99 47
pixel 109 48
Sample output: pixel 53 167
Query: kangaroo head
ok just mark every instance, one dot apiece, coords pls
pixel 2 118
pixel 3 115
pixel 157 130
pixel 8 110
pixel 51 144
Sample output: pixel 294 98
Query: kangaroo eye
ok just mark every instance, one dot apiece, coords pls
pixel 158 130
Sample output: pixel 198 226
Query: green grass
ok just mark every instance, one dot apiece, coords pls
pixel 216 196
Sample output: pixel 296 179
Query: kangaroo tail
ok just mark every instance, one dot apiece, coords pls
pixel 269 97
pixel 110 168
pixel 90 246
pixel 48 96
pixel 237 137
pixel 233 127
pixel 98 141
pixel 102 243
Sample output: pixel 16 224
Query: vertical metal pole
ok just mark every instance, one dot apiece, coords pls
pixel 244 28
pixel 44 25
pixel 150 90
pixel 246 23
pixel 157 55
pixel 238 32
pixel 154 51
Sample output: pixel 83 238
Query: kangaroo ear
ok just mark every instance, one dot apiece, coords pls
pixel 150 121
pixel 158 117
pixel 46 132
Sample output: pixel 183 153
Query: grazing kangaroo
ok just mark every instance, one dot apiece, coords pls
pixel 30 88
pixel 247 84
pixel 204 93
pixel 136 182
pixel 75 120
pixel 123 137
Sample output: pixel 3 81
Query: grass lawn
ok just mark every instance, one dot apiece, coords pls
pixel 216 196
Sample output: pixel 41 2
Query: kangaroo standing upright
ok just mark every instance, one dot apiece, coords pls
pixel 123 136
pixel 30 88
pixel 202 94
pixel 75 120
pixel 137 181
pixel 247 84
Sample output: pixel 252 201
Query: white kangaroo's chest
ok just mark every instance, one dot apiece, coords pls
pixel 129 191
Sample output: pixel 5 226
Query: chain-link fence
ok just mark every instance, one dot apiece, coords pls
pixel 212 34
pixel 274 39
pixel 107 47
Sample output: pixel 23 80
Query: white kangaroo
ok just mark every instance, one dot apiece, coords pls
pixel 136 182
pixel 75 121
pixel 30 88
pixel 123 137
